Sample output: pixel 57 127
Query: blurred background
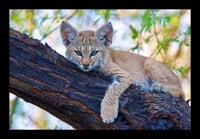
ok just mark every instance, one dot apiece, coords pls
pixel 164 35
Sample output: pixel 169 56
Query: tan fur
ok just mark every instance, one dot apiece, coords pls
pixel 125 67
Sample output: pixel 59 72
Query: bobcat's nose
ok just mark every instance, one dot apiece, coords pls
pixel 85 66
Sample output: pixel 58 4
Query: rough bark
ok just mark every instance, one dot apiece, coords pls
pixel 42 77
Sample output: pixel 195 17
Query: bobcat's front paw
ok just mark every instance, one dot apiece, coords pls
pixel 109 111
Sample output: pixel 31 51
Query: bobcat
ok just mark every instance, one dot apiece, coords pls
pixel 90 50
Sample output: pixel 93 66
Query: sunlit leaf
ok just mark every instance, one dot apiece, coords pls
pixel 147 39
pixel 16 17
pixel 187 44
pixel 134 32
pixel 163 44
pixel 147 20
pixel 174 40
pixel 107 14
pixel 80 13
pixel 135 47
pixel 57 13
pixel 158 51
pixel 175 20
pixel 181 69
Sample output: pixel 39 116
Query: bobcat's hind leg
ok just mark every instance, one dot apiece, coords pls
pixel 172 89
pixel 164 80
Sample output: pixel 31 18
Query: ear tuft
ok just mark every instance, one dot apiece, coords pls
pixel 105 34
pixel 68 33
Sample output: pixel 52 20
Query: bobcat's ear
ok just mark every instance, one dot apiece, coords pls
pixel 105 34
pixel 68 33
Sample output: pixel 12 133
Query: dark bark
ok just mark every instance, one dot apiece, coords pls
pixel 42 77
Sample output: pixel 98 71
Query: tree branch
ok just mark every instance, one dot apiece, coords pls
pixel 42 77
pixel 158 47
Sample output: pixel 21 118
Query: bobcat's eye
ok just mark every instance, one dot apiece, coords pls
pixel 78 53
pixel 93 53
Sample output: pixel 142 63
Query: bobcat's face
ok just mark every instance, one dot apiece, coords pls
pixel 86 52
pixel 87 49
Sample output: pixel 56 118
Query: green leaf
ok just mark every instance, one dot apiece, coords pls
pixel 134 32
pixel 148 39
pixel 79 13
pixel 174 40
pixel 147 20
pixel 188 31
pixel 163 20
pixel 181 69
pixel 136 47
pixel 107 15
pixel 16 17
pixel 163 44
pixel 167 19
pixel 159 49
pixel 45 17
pixel 187 44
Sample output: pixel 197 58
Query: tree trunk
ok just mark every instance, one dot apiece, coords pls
pixel 42 77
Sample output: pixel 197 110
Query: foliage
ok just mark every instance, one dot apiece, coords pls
pixel 163 28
